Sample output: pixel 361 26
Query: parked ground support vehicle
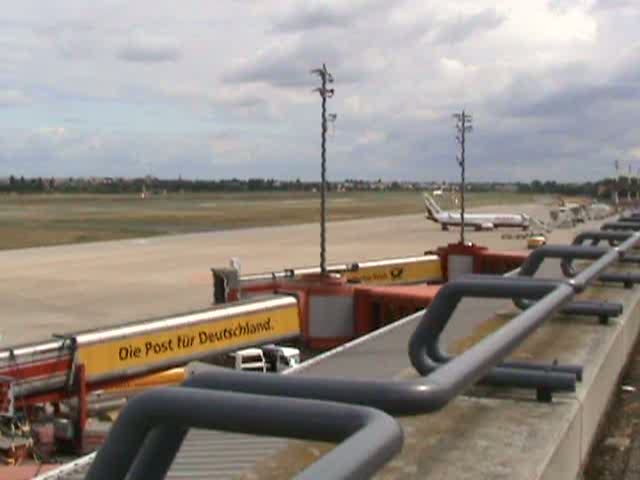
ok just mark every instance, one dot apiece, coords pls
pixel 280 358
pixel 268 358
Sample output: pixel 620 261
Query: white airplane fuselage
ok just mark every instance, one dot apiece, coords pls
pixel 479 221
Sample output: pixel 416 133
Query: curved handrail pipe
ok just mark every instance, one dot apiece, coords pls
pixel 564 252
pixel 603 310
pixel 425 349
pixel 596 236
pixel 595 270
pixel 635 226
pixel 614 238
pixel 634 217
pixel 369 438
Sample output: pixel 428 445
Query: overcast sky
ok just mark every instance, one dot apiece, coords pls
pixel 222 88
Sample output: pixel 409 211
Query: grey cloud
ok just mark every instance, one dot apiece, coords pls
pixel 577 99
pixel 312 16
pixel 290 67
pixel 563 93
pixel 307 16
pixel 528 91
pixel 13 98
pixel 142 47
pixel 75 42
pixel 613 4
pixel 569 132
pixel 246 101
pixel 629 69
pixel 502 146
pixel 462 28
pixel 78 153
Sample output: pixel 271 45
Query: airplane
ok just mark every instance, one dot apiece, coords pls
pixel 479 221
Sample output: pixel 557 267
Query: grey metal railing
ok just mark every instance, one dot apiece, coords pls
pixel 604 258
pixel 369 437
pixel 427 355
pixel 566 253
pixel 635 226
pixel 630 217
pixel 613 238
pixel 150 430
pixel 597 236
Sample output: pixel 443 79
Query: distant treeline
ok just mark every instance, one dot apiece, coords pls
pixel 601 188
pixel 153 184
pixel 587 188
pixel 148 184
pixel 15 184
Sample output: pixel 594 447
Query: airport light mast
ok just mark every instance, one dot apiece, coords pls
pixel 629 182
pixel 463 126
pixel 616 183
pixel 325 78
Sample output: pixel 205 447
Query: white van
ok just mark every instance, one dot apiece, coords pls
pixel 250 359
pixel 280 358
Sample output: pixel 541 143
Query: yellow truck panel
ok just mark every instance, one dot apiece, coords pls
pixel 203 337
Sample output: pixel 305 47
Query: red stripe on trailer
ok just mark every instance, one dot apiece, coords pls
pixel 417 294
pixel 327 343
pixel 484 260
pixel 488 261
pixel 63 394
pixel 38 369
pixel 370 300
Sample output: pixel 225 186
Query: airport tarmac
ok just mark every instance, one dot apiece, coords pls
pixel 76 287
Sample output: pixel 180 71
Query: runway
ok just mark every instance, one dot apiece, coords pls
pixel 76 287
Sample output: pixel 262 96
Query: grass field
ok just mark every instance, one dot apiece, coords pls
pixel 53 219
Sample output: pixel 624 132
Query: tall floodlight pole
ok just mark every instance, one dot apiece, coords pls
pixel 463 126
pixel 325 78
pixel 629 184
pixel 616 183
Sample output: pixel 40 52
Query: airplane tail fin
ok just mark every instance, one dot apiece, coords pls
pixel 432 207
